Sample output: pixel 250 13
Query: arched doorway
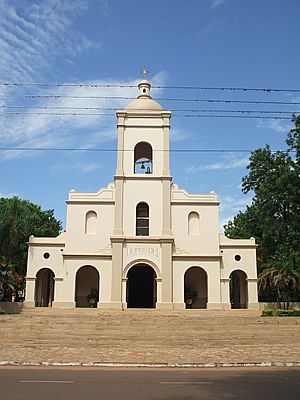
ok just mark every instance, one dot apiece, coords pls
pixel 195 286
pixel 44 288
pixel 238 289
pixel 87 287
pixel 141 287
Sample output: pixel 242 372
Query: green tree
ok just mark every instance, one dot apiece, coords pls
pixel 8 280
pixel 282 282
pixel 18 220
pixel 273 218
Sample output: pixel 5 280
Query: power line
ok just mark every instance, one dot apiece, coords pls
pixel 111 114
pixel 51 96
pixel 131 150
pixel 145 109
pixel 184 87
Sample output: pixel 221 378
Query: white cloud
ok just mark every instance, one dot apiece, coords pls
pixel 80 166
pixel 83 131
pixel 276 125
pixel 234 204
pixel 177 135
pixel 228 164
pixel 33 33
pixel 230 206
pixel 8 195
pixel 216 3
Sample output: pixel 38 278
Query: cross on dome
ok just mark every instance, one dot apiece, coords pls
pixel 145 72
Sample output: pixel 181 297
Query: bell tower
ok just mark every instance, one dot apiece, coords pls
pixel 143 137
pixel 142 217
pixel 143 162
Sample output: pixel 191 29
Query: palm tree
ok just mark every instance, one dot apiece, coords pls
pixel 283 281
pixel 8 280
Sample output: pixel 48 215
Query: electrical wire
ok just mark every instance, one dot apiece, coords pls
pixel 51 96
pixel 184 87
pixel 131 150
pixel 145 109
pixel 111 114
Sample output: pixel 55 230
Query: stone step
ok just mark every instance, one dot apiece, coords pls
pixel 94 335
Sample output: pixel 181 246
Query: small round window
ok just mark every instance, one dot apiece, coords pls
pixel 46 255
pixel 237 257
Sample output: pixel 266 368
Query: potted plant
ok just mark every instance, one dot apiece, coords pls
pixel 190 295
pixel 93 297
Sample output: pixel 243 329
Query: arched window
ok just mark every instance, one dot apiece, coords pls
pixel 142 219
pixel 91 222
pixel 193 223
pixel 143 158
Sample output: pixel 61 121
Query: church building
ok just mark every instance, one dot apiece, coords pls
pixel 142 241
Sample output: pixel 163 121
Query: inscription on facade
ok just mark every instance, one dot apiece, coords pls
pixel 150 251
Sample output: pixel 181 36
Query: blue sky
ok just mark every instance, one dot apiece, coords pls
pixel 207 43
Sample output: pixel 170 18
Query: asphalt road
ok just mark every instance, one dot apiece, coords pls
pixel 41 383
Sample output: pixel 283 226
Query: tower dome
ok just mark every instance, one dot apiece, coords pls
pixel 144 102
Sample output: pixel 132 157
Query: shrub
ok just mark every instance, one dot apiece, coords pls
pixel 2 311
pixel 280 313
pixel 267 313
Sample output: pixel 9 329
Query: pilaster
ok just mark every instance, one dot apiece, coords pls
pixel 30 292
pixel 167 272
pixel 252 294
pixel 116 279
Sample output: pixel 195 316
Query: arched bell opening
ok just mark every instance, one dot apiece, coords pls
pixel 195 288
pixel 238 289
pixel 87 287
pixel 44 288
pixel 141 287
pixel 143 158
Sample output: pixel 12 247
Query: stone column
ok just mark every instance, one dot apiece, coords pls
pixel 158 290
pixel 59 301
pixel 225 293
pixel 252 294
pixel 124 291
pixel 166 204
pixel 116 276
pixel 213 287
pixel 30 292
pixel 167 272
pixel 120 155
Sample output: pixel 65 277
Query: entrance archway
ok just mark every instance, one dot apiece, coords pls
pixel 87 287
pixel 44 288
pixel 195 281
pixel 141 287
pixel 238 289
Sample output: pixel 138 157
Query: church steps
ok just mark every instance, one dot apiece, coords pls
pixel 143 336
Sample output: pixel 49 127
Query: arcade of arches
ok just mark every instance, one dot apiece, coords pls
pixel 141 290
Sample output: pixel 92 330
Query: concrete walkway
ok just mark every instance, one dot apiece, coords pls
pixel 148 336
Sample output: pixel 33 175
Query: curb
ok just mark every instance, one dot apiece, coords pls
pixel 147 365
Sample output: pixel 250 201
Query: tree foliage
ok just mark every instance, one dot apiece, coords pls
pixel 281 282
pixel 273 218
pixel 18 220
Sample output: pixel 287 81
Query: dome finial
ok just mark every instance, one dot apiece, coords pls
pixel 145 72
pixel 144 86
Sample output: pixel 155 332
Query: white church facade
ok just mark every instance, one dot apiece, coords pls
pixel 142 242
